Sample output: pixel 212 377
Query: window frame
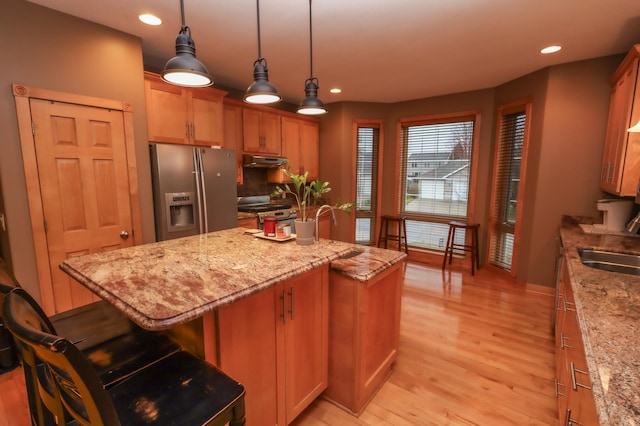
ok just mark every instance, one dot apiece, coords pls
pixel 379 124
pixel 526 106
pixel 400 180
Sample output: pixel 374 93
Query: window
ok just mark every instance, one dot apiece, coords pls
pixel 367 149
pixel 436 176
pixel 506 201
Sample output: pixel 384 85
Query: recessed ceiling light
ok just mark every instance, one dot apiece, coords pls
pixel 550 49
pixel 335 90
pixel 150 19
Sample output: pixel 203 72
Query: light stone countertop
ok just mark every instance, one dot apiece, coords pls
pixel 164 284
pixel 608 308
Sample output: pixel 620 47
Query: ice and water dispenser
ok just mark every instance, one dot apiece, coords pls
pixel 181 210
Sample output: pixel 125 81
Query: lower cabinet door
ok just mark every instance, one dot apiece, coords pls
pixel 275 343
pixel 306 338
pixel 247 331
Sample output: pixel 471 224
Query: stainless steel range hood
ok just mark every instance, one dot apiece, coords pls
pixel 262 161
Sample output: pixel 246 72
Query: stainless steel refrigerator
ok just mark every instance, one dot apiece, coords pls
pixel 194 190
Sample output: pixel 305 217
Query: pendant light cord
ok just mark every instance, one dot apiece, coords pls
pixel 184 28
pixel 310 43
pixel 258 14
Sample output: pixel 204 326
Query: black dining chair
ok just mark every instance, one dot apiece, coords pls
pixel 180 389
pixel 114 345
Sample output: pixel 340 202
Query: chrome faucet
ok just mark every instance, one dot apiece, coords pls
pixel 633 225
pixel 319 212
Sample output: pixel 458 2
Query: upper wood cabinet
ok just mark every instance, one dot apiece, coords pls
pixel 261 131
pixel 300 147
pixel 183 115
pixel 232 113
pixel 621 157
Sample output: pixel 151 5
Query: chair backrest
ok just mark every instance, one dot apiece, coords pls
pixel 77 386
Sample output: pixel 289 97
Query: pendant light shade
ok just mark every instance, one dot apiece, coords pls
pixel 184 69
pixel 311 105
pixel 261 91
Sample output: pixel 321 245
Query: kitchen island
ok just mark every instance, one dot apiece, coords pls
pixel 607 305
pixel 259 307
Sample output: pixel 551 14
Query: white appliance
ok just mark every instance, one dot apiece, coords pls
pixel 615 214
pixel 194 190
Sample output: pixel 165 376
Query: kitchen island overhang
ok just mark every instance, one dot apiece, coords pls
pixel 164 284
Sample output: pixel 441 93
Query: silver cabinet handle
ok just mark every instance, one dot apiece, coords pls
pixel 124 235
pixel 557 385
pixel 569 421
pixel 574 381
pixel 186 129
pixel 284 307
pixel 291 295
pixel 567 308
pixel 563 338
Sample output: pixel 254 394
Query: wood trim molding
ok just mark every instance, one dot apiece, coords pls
pixel 22 95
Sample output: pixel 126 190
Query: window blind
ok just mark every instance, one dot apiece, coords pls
pixel 435 173
pixel 368 141
pixel 507 187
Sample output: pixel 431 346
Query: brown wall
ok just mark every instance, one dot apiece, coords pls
pixel 568 121
pixel 46 49
pixel 58 52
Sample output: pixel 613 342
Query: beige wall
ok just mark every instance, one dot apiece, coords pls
pixel 46 49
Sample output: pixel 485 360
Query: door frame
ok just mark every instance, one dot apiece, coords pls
pixel 22 95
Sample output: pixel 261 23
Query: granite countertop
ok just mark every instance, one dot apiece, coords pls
pixel 608 308
pixel 164 284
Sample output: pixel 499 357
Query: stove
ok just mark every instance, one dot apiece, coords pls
pixel 262 206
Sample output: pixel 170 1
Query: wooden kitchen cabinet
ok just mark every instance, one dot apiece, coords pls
pixel 233 139
pixel 621 156
pixel 261 131
pixel 300 146
pixel 248 222
pixel 573 387
pixel 275 343
pixel 364 335
pixel 179 115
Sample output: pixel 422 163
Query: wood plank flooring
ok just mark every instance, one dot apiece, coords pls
pixel 474 350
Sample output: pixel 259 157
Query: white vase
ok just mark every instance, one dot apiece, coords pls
pixel 305 231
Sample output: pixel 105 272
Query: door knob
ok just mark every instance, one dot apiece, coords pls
pixel 124 235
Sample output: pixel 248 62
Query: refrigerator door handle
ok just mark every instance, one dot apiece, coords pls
pixel 203 187
pixel 197 164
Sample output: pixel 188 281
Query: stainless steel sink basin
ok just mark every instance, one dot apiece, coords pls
pixel 610 261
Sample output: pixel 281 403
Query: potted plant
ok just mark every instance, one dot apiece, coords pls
pixel 307 197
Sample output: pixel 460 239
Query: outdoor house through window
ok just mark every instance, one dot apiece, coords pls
pixel 367 147
pixel 435 177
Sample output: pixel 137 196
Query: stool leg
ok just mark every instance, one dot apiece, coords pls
pixel 404 233
pixel 446 249
pixel 380 232
pixel 386 233
pixel 475 235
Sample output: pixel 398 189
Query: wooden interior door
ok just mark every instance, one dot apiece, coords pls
pixel 82 168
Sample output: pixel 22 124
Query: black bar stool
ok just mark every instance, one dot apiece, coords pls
pixel 400 222
pixel 471 248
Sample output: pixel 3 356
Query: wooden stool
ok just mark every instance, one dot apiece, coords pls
pixel 471 248
pixel 400 237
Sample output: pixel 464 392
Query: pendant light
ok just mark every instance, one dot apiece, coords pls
pixel 184 69
pixel 311 105
pixel 261 91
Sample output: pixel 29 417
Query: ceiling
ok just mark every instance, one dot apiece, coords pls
pixel 374 50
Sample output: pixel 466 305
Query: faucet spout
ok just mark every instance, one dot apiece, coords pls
pixel 634 224
pixel 319 212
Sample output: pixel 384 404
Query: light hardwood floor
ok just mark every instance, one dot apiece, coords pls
pixel 474 350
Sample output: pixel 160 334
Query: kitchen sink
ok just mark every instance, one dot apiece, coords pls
pixel 611 261
pixel 352 253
